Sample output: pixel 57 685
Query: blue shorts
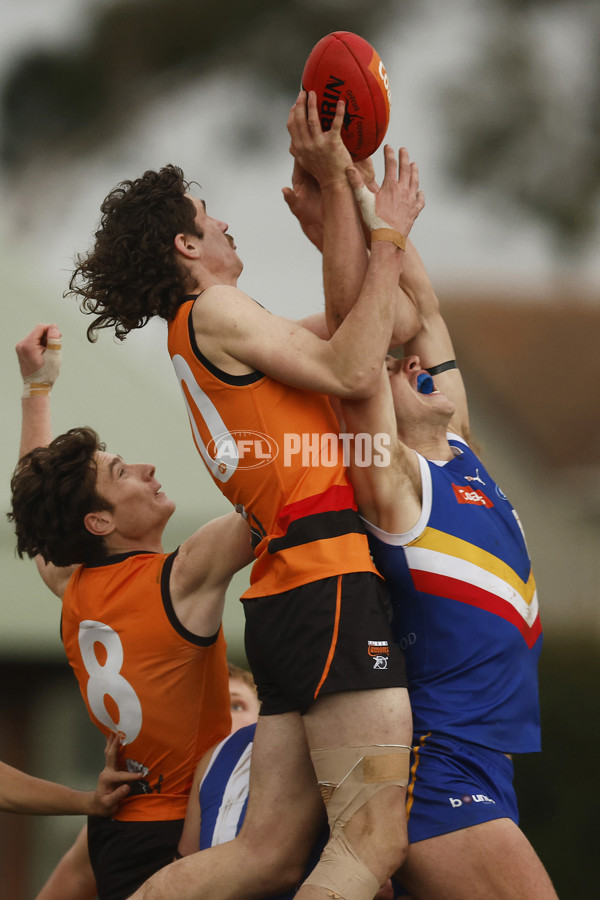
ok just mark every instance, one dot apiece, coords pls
pixel 453 785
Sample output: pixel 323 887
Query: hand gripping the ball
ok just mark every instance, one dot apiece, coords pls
pixel 392 211
pixel 321 153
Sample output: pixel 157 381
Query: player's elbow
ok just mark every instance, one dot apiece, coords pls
pixel 360 384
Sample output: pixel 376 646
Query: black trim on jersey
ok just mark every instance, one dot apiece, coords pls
pixel 257 530
pixel 117 558
pixel 318 527
pixel 165 591
pixel 239 380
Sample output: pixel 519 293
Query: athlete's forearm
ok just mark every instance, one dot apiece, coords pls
pixel 345 257
pixel 22 793
pixel 36 423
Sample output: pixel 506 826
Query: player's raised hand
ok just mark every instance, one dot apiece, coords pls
pixel 398 202
pixel 321 153
pixel 39 355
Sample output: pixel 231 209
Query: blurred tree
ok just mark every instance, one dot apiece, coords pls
pixel 524 117
pixel 135 50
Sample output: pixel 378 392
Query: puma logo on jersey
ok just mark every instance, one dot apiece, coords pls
pixel 475 477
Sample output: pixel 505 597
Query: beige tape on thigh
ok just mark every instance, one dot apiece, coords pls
pixel 348 778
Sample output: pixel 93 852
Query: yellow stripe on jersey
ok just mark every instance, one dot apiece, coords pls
pixel 442 554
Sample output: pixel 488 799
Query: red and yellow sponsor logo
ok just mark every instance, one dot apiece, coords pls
pixel 468 495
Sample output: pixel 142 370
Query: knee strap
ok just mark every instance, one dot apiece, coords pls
pixel 350 776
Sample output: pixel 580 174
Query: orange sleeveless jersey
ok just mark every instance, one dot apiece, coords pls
pixel 275 453
pixel 143 674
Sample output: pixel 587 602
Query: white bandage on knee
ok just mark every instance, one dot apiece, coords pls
pixel 40 382
pixel 348 778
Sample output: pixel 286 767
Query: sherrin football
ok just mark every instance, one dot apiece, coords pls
pixel 343 66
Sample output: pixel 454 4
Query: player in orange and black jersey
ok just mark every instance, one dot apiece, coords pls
pixel 141 627
pixel 318 641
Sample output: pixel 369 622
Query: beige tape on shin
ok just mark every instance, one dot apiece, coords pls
pixel 341 873
pixel 348 778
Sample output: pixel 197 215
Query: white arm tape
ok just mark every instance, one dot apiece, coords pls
pixel 40 382
pixel 366 201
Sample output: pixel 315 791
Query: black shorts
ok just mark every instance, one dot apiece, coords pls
pixel 324 637
pixel 125 854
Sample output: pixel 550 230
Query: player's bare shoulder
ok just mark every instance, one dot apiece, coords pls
pixel 223 306
pixel 225 319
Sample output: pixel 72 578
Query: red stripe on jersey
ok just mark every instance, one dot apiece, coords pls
pixel 336 497
pixel 454 589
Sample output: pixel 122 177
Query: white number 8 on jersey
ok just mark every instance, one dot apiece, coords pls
pixel 106 680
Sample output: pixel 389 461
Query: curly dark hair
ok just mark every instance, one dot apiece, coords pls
pixel 132 274
pixel 53 488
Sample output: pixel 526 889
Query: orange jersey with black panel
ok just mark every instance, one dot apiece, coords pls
pixel 275 453
pixel 141 673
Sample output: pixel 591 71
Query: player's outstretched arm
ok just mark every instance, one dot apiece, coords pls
pixel 361 177
pixel 233 329
pixel 433 343
pixel 22 793
pixel 39 356
pixel 323 155
pixel 326 195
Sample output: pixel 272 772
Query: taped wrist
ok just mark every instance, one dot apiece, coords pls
pixel 389 234
pixel 380 229
pixel 39 383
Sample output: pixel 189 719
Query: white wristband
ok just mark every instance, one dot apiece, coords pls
pixel 39 383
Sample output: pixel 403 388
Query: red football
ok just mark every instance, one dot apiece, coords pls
pixel 343 66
